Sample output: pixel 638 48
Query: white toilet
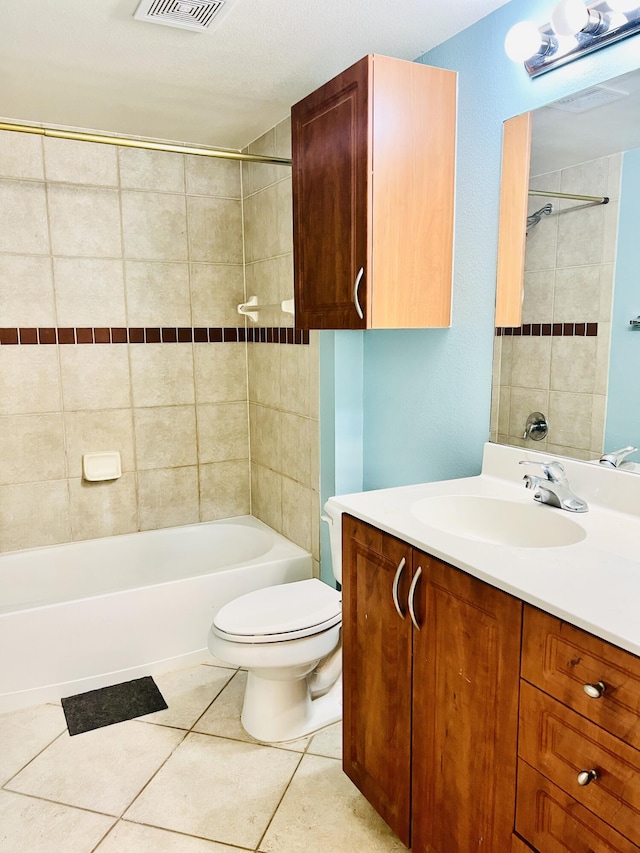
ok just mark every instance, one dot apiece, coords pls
pixel 288 638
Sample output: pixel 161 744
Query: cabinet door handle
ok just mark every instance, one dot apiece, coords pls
pixel 356 287
pixel 594 691
pixel 396 582
pixel 586 777
pixel 412 595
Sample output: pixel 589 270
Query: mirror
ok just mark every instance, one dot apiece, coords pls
pixel 575 359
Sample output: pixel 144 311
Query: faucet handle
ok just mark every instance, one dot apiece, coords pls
pixel 552 470
pixel 614 458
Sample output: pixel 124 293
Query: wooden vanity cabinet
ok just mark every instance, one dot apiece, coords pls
pixel 430 713
pixel 373 155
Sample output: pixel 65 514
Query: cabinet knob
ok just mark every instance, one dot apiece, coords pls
pixel 594 691
pixel 586 777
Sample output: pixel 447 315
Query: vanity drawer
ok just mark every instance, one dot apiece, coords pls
pixel 561 745
pixel 553 822
pixel 561 659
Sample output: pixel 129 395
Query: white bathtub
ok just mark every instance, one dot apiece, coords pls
pixel 88 614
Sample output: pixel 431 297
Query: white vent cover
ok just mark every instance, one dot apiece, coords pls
pixel 199 15
pixel 588 99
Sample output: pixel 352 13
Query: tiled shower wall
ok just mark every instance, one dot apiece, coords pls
pixel 283 380
pixel 140 255
pixel 557 362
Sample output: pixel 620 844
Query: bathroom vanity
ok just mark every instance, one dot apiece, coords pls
pixel 492 680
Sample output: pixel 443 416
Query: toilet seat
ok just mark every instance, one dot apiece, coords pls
pixel 279 613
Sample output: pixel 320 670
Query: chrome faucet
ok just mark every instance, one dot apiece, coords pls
pixel 553 488
pixel 614 459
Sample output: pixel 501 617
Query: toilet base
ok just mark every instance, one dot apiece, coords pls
pixel 280 711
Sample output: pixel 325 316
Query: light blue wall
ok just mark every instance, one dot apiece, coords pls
pixel 623 409
pixel 427 393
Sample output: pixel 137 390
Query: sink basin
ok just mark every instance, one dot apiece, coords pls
pixel 500 522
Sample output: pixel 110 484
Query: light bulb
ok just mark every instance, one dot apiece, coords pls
pixel 522 41
pixel 569 17
pixel 623 5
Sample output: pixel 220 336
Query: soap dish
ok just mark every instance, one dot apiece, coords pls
pixel 101 466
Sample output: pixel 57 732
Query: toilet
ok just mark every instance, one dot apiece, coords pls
pixel 288 637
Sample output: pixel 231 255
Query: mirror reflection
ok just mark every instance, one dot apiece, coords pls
pixel 576 358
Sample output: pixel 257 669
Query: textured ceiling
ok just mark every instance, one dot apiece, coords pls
pixel 89 64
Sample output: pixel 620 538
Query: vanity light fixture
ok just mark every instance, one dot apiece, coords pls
pixel 576 28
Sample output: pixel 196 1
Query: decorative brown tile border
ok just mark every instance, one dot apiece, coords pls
pixel 153 335
pixel 563 330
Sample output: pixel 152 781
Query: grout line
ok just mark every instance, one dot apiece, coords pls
pixel 284 793
pixel 32 759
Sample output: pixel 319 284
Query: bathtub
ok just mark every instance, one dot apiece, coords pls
pixel 88 614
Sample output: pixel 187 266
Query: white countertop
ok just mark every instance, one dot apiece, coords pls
pixel 594 584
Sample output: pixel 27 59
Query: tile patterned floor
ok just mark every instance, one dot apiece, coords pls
pixel 185 780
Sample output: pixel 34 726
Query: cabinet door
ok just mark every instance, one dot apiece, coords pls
pixel 465 712
pixel 377 671
pixel 331 164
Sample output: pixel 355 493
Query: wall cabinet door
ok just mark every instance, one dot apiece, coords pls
pixel 373 190
pixel 432 708
pixel 377 671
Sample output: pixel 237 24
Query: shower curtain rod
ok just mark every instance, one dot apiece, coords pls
pixel 127 142
pixel 596 199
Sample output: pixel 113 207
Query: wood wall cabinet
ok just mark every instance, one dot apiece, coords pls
pixel 430 713
pixel 373 197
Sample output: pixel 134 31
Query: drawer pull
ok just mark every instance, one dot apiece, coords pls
pixel 594 691
pixel 587 776
pixel 396 581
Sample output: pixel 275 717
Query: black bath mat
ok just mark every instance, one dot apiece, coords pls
pixel 98 708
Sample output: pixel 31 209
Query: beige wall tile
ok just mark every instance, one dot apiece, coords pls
pixel 223 432
pixel 21 156
pixel 168 498
pixel 266 436
pixel 224 490
pixel 261 224
pixel 592 175
pixel 94 377
pixel 216 292
pixel 577 295
pixel 537 305
pixel 220 372
pixel 80 162
pixel 271 280
pixel 162 374
pixel 607 273
pixel 315 525
pixel 266 496
pixel 165 437
pixel 531 362
pixel 264 373
pixel 89 292
pixel 294 379
pixel 215 230
pixel 91 432
pixel 601 382
pixel 570 419
pixel 103 509
pixel 598 415
pixel 580 237
pixel 614 177
pixel 213 177
pixel 159 171
pixel 26 285
pixel 542 242
pixel 158 294
pixel 84 221
pixel 297 509
pixel 34 514
pixel 257 176
pixel 283 139
pixel 573 364
pixel 154 226
pixel 610 232
pixel 31 448
pixel 523 401
pixel 314 452
pixel 284 217
pixel 23 218
pixel 504 411
pixel 314 375
pixel 295 438
pixel 29 380
pixel 506 362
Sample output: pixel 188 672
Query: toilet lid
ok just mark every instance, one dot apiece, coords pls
pixel 297 609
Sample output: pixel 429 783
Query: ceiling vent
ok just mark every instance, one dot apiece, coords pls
pixel 588 99
pixel 198 15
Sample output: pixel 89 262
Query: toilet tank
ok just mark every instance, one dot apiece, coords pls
pixel 333 517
